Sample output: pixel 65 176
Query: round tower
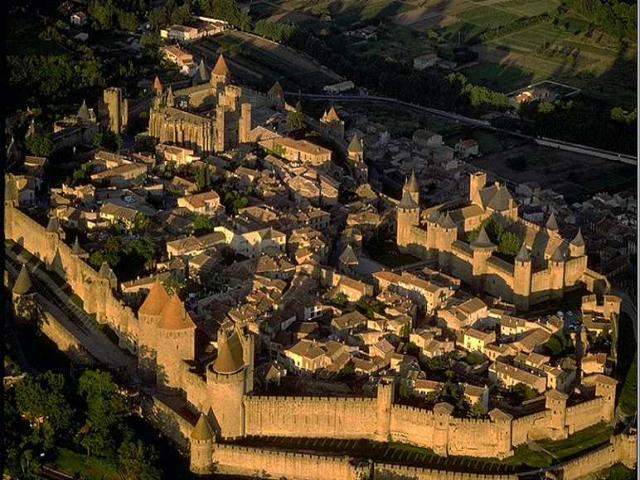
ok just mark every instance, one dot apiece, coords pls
pixel 477 181
pixel 577 245
pixel 606 389
pixel 522 269
pixel 176 343
pixel 220 75
pixel 385 397
pixel 408 214
pixel 482 248
pixel 556 266
pixel 556 402
pixel 226 383
pixel 202 440
pixel 149 317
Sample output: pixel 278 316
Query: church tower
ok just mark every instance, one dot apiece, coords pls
pixel 220 75
pixel 408 213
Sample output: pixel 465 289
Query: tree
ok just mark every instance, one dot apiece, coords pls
pixel 340 300
pixel 173 285
pixel 295 120
pixel 40 144
pixel 203 224
pixel 108 140
pixel 228 10
pixel 523 392
pixel 478 409
pixel 105 409
pixel 140 222
pixel 41 400
pixel 136 461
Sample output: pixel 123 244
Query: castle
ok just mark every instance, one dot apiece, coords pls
pixel 211 117
pixel 545 268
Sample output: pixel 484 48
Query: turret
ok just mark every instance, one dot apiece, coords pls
pixel 23 285
pixel 348 261
pixel 170 100
pixel 201 75
pixel 552 226
pixel 446 234
pixel 384 402
pixel 577 246
pixel 556 266
pixel 408 214
pixel 503 434
pixel 226 383
pixel 202 441
pixel 220 75
pixel 606 389
pixel 556 402
pixel 356 150
pixel 482 248
pixel 157 86
pixel 149 317
pixel 477 181
pixel 522 278
pixel 275 95
pixel 176 343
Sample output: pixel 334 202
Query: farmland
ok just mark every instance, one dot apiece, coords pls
pixel 566 49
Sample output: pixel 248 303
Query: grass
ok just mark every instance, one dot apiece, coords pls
pixel 627 365
pixel 503 78
pixel 617 472
pixel 89 467
pixel 588 438
pixel 629 394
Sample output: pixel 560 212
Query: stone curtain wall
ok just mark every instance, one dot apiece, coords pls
pixel 310 416
pixel 585 414
pixel 534 426
pixel 94 291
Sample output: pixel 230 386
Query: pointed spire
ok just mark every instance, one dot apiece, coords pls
pixel 105 271
pixel 221 68
pixel 202 431
pixel 482 240
pixel 201 75
pixel 355 146
pixel 156 300
pixel 348 256
pixel 157 86
pixel 23 283
pixel 412 183
pixel 276 90
pixel 447 222
pixel 407 200
pixel 76 249
pixel 170 97
pixel 578 240
pixel 523 254
pixel 175 316
pixel 230 353
pixel 83 112
pixel 552 224
pixel 331 115
pixel 558 255
pixel 53 226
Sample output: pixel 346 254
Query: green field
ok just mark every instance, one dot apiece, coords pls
pixel 89 467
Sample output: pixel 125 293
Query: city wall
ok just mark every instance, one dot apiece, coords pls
pixel 95 290
pixel 64 339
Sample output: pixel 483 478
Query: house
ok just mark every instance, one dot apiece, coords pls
pixel 301 151
pixel 426 139
pixel 114 213
pixel 425 61
pixel 467 148
pixel 339 87
pixel 425 387
pixel 509 376
pixel 347 323
pixel 78 18
pixel 178 155
pixel 476 340
pixel 176 55
pixel 179 32
pixel 206 203
pixel 121 176
pixel 476 395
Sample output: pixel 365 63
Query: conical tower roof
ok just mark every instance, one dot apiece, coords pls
pixel 156 300
pixel 276 90
pixel 201 75
pixel 578 240
pixel 482 240
pixel 76 249
pixel 83 112
pixel 331 115
pixel 447 222
pixel 221 68
pixel 412 183
pixel 105 271
pixel 230 355
pixel 23 282
pixel 157 85
pixel 174 315
pixel 558 254
pixel 53 225
pixel 348 256
pixel 202 431
pixel 407 201
pixel 355 146
pixel 523 254
pixel 552 224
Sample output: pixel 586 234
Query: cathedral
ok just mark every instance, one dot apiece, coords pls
pixel 210 117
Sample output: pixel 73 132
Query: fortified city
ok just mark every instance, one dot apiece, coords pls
pixel 319 240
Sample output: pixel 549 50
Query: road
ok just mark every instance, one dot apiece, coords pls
pixel 474 122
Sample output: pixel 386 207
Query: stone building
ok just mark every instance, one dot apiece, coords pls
pixel 118 108
pixel 208 117
pixel 546 266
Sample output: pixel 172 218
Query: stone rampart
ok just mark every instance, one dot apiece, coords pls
pixel 535 425
pixel 310 416
pixel 585 414
pixel 400 472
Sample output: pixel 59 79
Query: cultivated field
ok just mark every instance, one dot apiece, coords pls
pixel 598 63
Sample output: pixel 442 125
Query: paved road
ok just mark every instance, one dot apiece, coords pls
pixel 474 122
